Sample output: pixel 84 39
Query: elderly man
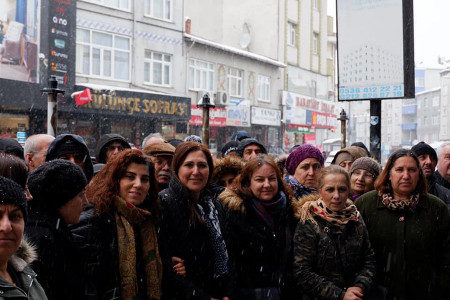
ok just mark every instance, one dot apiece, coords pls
pixel 250 148
pixel 155 137
pixel 443 165
pixel 161 154
pixel 36 149
pixel 428 161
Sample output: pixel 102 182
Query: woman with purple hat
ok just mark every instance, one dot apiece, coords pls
pixel 303 166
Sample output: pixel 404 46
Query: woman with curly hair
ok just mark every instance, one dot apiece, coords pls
pixel 260 225
pixel 226 170
pixel 117 236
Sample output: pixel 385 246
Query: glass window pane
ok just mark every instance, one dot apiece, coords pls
pixel 166 75
pixel 157 73
pixel 121 65
pixel 96 61
pixel 122 43
pixel 147 72
pixel 113 3
pixel 102 39
pixel 107 63
pixel 158 8
pixel 157 56
pixel 167 58
pixel 82 61
pixel 167 10
pixel 148 54
pixel 191 78
pixel 82 35
pixel 124 4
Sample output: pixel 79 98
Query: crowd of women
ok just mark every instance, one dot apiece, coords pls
pixel 262 229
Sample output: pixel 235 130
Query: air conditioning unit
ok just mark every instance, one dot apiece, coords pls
pixel 221 98
pixel 201 94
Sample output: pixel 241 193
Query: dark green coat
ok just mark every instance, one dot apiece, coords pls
pixel 412 249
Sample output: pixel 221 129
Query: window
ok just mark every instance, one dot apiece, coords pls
pixel 102 54
pixel 435 101
pixel 263 88
pixel 291 34
pixel 201 75
pixel 315 4
pixel 235 82
pixel 315 45
pixel 157 68
pixel 160 9
pixel 121 4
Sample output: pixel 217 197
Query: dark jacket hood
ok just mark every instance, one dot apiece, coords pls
pixel 11 146
pixel 52 152
pixel 249 141
pixel 100 151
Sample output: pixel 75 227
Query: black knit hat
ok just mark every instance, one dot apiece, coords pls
pixel 55 183
pixel 229 147
pixel 423 148
pixel 246 142
pixel 12 193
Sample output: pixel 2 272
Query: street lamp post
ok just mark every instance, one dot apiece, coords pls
pixel 343 118
pixel 205 104
pixel 52 109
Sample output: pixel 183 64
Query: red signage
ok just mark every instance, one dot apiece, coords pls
pixel 217 116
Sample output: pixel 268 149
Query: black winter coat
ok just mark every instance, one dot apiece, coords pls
pixel 438 190
pixel 441 180
pixel 189 242
pixel 262 257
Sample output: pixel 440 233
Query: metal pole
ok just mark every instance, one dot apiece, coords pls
pixel 343 133
pixel 375 128
pixel 205 128
pixel 52 110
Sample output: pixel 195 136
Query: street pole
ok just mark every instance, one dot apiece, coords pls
pixel 52 109
pixel 375 128
pixel 205 104
pixel 343 118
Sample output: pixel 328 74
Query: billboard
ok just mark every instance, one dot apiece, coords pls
pixel 375 49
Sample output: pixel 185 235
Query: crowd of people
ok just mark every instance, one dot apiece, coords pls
pixel 170 221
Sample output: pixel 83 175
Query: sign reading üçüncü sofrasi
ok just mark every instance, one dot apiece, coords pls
pixel 375 49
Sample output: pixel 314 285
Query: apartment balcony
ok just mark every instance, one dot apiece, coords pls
pixel 409 127
pixel 409 110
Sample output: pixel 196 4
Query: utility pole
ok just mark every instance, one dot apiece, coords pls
pixel 343 118
pixel 205 104
pixel 52 109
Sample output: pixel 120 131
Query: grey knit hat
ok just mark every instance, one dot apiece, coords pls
pixel 368 164
pixel 12 193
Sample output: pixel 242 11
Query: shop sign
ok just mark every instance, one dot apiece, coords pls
pixel 266 116
pixel 321 120
pixel 135 104
pixel 298 100
pixel 238 113
pixel 217 116
pixel 294 116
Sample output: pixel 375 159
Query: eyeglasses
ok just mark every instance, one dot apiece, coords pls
pixel 112 148
pixel 364 174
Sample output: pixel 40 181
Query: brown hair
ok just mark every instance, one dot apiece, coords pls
pixel 332 169
pixel 184 149
pixel 383 184
pixel 14 168
pixel 241 185
pixel 105 185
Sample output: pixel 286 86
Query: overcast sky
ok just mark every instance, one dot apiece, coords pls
pixel 431 29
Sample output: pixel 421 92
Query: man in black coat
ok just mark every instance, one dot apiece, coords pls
pixel 428 161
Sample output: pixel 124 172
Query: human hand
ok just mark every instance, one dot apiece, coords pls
pixel 353 293
pixel 178 266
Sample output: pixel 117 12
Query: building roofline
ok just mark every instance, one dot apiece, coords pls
pixel 233 50
pixel 428 91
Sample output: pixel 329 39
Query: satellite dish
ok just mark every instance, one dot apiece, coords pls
pixel 245 40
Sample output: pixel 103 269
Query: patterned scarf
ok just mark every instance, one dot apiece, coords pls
pixel 299 189
pixel 338 218
pixel 127 215
pixel 268 209
pixel 400 205
pixel 209 213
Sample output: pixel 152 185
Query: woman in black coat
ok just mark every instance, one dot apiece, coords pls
pixel 191 229
pixel 260 226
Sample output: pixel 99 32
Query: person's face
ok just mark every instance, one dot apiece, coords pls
pixel 346 164
pixel 135 183
pixel 251 151
pixel 307 171
pixel 162 168
pixel 113 149
pixel 194 171
pixel 404 177
pixel 37 158
pixel 226 180
pixel 361 181
pixel 12 224
pixel 264 183
pixel 443 164
pixel 71 211
pixel 427 163
pixel 76 158
pixel 334 191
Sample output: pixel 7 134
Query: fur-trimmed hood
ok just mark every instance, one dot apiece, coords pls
pixel 24 256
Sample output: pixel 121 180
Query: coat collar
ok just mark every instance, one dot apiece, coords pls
pixel 421 204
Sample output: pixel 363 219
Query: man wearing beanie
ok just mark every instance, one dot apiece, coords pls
pixel 71 147
pixel 363 173
pixel 249 148
pixel 303 166
pixel 58 189
pixel 428 160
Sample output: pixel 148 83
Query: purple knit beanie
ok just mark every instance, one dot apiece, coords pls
pixel 301 153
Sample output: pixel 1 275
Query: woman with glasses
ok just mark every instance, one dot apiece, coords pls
pixel 363 173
